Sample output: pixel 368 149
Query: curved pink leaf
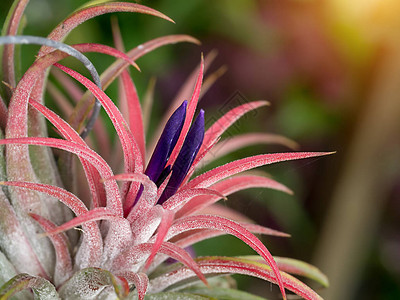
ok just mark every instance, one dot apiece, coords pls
pixel 166 221
pixel 140 280
pixel 134 111
pixel 93 47
pixel 182 197
pixel 136 254
pixel 62 30
pixel 96 214
pixel 240 141
pixel 92 241
pixel 132 156
pixel 229 227
pixel 63 267
pixel 8 51
pixel 230 265
pixel 96 188
pixel 240 165
pixel 190 238
pixel 227 120
pixel 71 87
pixel 229 186
pixel 69 199
pixel 189 113
pixel 116 68
pixel 147 199
pixel 113 197
pixel 184 93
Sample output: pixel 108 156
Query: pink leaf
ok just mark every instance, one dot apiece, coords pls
pixel 92 241
pixel 93 47
pixel 116 68
pixel 229 186
pixel 113 197
pixel 69 199
pixel 237 166
pixel 70 86
pixel 232 144
pixel 8 52
pixel 166 221
pixel 96 214
pixel 135 111
pixel 189 114
pixel 219 127
pixel 133 161
pixel 62 30
pixel 182 197
pixel 63 267
pixel 136 254
pixel 140 280
pixel 230 265
pixel 229 227
pixel 184 93
pixel 147 199
pixel 69 133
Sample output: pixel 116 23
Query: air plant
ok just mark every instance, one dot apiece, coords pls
pixel 131 221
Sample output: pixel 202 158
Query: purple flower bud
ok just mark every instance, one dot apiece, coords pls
pixel 186 156
pixel 166 143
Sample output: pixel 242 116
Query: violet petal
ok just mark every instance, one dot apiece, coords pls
pixel 186 156
pixel 166 143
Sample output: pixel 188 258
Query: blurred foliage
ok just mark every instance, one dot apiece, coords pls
pixel 314 60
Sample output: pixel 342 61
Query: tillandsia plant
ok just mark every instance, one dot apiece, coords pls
pixel 118 239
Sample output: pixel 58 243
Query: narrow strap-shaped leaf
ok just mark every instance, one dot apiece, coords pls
pixel 222 124
pixel 133 161
pixel 190 113
pixel 231 185
pixel 63 267
pixel 140 280
pixel 99 48
pixel 232 144
pixel 27 39
pixel 297 267
pixel 42 288
pixel 95 214
pixel 148 197
pixel 116 68
pixel 229 227
pixel 92 243
pixel 66 26
pixel 139 252
pixel 96 188
pixel 232 265
pixel 166 221
pixel 114 202
pixel 11 27
pixel 248 163
pixel 182 197
pixel 184 92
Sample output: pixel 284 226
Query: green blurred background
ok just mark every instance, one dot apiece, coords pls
pixel 331 70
